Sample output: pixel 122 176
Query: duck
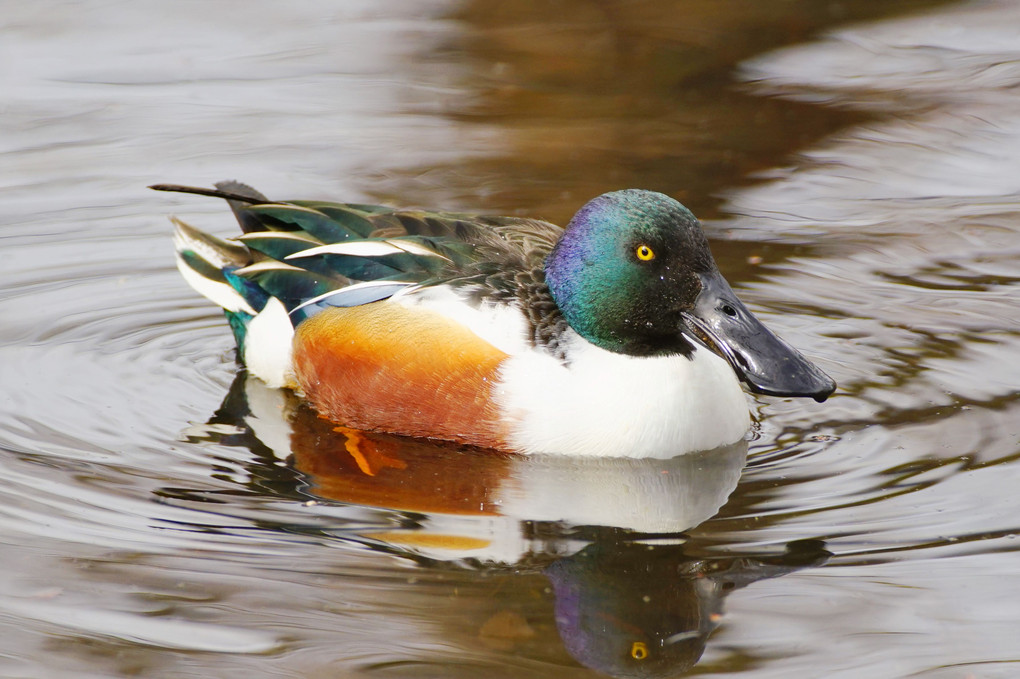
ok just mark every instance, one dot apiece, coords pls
pixel 616 336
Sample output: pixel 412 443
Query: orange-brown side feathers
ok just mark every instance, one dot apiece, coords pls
pixel 387 367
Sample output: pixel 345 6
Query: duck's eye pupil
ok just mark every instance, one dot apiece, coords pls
pixel 644 253
pixel 728 310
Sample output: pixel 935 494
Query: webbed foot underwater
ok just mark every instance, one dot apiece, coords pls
pixel 616 336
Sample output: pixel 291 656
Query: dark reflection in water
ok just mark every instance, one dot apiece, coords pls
pixel 595 96
pixel 609 534
pixel 632 609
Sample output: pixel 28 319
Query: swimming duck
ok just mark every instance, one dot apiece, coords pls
pixel 616 336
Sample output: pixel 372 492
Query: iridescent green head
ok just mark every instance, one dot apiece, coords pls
pixel 624 270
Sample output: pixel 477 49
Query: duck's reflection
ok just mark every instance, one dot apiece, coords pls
pixel 632 609
pixel 606 533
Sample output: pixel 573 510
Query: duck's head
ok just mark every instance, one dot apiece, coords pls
pixel 633 274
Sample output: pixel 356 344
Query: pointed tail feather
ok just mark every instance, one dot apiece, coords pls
pixel 206 262
pixel 237 195
pixel 229 192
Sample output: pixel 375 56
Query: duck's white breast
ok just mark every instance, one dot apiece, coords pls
pixel 607 404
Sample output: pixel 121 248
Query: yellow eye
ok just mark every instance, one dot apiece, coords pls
pixel 644 253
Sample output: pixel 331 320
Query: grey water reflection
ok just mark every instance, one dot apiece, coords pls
pixel 855 163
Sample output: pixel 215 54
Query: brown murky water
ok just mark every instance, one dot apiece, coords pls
pixel 856 166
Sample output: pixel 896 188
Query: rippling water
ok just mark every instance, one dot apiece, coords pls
pixel 163 515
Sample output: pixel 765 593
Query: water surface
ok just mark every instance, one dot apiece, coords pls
pixel 855 163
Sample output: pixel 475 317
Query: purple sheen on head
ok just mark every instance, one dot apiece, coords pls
pixel 579 247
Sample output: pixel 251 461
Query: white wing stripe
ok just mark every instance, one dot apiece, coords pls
pixel 274 235
pixel 267 265
pixel 415 248
pixel 370 248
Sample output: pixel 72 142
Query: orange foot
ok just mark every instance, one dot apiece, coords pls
pixel 366 453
